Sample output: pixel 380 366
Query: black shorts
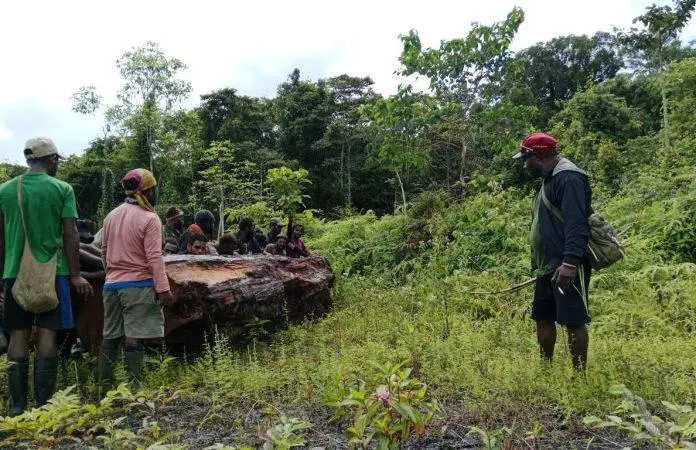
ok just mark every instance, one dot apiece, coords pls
pixel 568 308
pixel 15 318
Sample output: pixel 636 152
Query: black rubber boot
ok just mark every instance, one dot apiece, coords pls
pixel 107 358
pixel 3 342
pixel 18 381
pixel 134 363
pixel 45 373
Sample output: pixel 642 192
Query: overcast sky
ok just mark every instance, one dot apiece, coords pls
pixel 50 48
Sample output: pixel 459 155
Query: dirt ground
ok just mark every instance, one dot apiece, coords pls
pixel 197 426
pixel 196 423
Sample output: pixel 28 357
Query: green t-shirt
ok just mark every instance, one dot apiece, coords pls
pixel 46 200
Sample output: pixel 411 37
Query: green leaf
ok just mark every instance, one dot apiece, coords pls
pixel 591 420
pixel 404 409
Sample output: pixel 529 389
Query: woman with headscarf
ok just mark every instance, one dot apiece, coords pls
pixel 136 282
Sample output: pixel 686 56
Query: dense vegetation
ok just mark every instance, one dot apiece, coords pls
pixel 415 201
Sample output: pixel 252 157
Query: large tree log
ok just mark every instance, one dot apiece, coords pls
pixel 227 294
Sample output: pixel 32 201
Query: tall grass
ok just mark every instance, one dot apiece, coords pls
pixel 403 293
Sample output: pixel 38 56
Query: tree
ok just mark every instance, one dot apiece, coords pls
pixel 345 139
pixel 149 77
pixel 679 82
pixel 95 176
pixel 86 100
pixel 99 157
pixel 230 117
pixel 246 123
pixel 500 128
pixel 150 90
pixel 651 48
pixel 302 113
pixel 641 92
pixel 400 125
pixel 555 70
pixel 287 186
pixel 594 129
pixel 593 111
pixel 464 72
pixel 225 181
pixel 264 159
pixel 182 147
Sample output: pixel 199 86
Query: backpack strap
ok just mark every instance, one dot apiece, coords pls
pixel 555 210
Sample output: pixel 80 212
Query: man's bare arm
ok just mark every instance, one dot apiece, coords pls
pixel 89 259
pixel 91 248
pixel 71 247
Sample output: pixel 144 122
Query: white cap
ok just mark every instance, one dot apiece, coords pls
pixel 40 147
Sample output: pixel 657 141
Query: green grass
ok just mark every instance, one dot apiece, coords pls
pixel 402 294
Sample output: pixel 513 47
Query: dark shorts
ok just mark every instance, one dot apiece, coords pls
pixel 568 309
pixel 61 318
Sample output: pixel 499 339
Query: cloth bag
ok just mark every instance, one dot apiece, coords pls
pixel 604 246
pixel 35 287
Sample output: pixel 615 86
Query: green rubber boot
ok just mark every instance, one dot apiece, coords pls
pixel 18 381
pixel 107 358
pixel 45 373
pixel 134 363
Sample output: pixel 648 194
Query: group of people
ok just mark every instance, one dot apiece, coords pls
pixel 39 212
pixel 248 239
pixel 129 252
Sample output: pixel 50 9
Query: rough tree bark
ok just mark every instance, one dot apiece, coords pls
pixel 227 294
pixel 665 117
pixel 462 163
pixel 350 197
pixel 343 151
pixel 403 192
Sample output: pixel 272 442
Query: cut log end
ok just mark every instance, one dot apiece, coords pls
pixel 227 295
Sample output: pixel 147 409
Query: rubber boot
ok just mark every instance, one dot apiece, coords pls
pixel 45 373
pixel 134 363
pixel 3 342
pixel 107 358
pixel 18 381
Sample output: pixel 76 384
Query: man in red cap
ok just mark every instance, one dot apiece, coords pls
pixel 559 236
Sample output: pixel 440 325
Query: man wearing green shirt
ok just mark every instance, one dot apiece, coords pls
pixel 49 213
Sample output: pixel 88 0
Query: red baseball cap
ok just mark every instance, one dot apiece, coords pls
pixel 536 144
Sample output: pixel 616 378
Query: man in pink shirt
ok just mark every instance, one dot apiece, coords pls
pixel 136 282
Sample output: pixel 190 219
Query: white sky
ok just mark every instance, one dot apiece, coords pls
pixel 50 48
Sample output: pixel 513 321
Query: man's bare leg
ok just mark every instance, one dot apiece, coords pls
pixel 578 342
pixel 546 336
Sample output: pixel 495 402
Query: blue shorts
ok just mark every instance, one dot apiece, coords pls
pixel 61 318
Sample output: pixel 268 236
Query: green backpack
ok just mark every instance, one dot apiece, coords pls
pixel 605 247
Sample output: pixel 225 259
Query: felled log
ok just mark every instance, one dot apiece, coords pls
pixel 88 314
pixel 229 295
